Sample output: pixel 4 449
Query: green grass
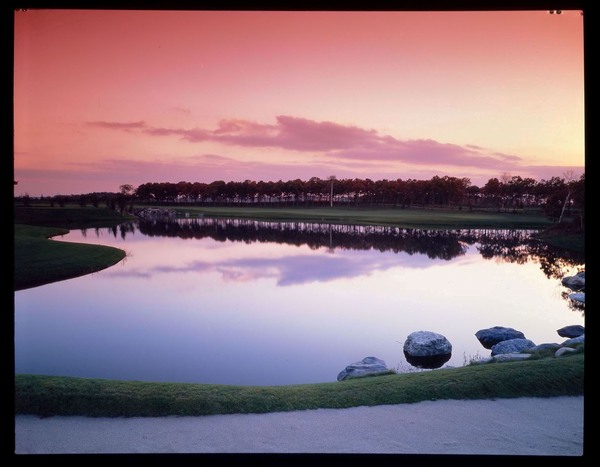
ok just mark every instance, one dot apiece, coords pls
pixel 407 218
pixel 40 261
pixel 53 395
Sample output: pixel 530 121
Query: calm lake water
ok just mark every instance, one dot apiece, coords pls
pixel 257 303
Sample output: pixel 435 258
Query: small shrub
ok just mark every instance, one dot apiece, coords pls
pixel 471 359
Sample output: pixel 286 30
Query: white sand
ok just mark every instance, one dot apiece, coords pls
pixel 523 426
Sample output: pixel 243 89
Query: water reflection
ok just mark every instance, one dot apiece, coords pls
pixel 244 302
pixel 514 246
pixel 435 244
pixel 506 245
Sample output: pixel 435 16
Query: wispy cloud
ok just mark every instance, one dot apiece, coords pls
pixel 428 152
pixel 297 134
pixel 335 141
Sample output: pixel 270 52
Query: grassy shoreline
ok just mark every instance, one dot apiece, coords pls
pixel 39 261
pixel 67 396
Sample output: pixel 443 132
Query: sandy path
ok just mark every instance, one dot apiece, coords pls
pixel 523 426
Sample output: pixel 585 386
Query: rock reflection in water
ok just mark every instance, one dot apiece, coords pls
pixel 429 362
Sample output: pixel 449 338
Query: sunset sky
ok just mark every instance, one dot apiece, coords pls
pixel 106 98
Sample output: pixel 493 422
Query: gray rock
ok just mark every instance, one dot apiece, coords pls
pixel 368 366
pixel 426 344
pixel 512 346
pixel 511 357
pixel 576 282
pixel 522 349
pixel 575 330
pixel 578 297
pixel 492 336
pixel 426 349
pixel 545 346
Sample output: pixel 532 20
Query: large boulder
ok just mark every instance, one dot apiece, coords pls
pixel 576 282
pixel 426 349
pixel 512 346
pixel 492 336
pixel 368 366
pixel 574 330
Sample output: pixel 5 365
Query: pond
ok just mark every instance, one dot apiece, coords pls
pixel 244 302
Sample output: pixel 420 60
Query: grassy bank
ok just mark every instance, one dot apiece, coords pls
pixel 49 395
pixel 40 261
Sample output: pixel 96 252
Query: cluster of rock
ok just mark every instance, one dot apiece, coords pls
pixel 577 284
pixel 508 344
pixel 426 349
pixel 423 349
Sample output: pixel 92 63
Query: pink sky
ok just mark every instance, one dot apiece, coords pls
pixel 106 98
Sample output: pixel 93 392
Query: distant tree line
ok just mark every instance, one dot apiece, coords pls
pixel 508 194
pixel 558 196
